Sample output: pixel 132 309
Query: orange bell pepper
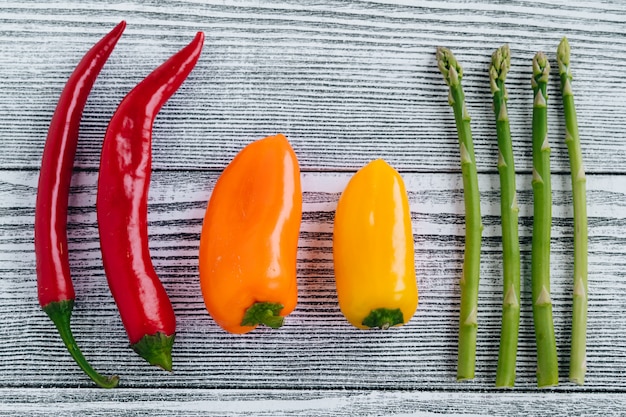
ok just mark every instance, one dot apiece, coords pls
pixel 249 239
pixel 373 249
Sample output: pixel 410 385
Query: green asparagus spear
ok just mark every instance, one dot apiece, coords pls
pixel 505 374
pixel 547 362
pixel 578 356
pixel 468 320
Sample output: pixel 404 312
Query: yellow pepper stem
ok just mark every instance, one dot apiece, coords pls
pixel 383 318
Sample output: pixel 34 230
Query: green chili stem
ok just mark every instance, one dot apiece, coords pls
pixel 60 313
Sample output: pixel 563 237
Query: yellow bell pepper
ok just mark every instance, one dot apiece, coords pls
pixel 373 249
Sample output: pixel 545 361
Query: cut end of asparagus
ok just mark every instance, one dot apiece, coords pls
pixel 449 67
pixel 577 373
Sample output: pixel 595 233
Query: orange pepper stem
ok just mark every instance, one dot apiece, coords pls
pixel 156 349
pixel 263 313
pixel 383 318
pixel 60 313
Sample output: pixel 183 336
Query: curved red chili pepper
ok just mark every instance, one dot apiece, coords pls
pixel 54 282
pixel 123 184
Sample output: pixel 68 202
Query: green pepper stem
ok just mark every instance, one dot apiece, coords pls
pixel 156 349
pixel 60 313
pixel 383 318
pixel 263 313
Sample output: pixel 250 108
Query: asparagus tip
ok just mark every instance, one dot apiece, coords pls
pixel 500 64
pixel 541 67
pixel 562 55
pixel 449 66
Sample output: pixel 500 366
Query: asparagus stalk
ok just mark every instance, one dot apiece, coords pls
pixel 578 356
pixel 468 319
pixel 505 374
pixel 547 363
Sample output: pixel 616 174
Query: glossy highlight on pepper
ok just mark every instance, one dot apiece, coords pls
pixel 123 185
pixel 54 283
pixel 373 249
pixel 249 240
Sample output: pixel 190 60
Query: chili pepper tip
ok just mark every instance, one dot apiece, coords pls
pixel 119 28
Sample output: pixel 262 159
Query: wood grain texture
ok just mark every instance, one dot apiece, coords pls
pixel 316 348
pixel 323 403
pixel 345 81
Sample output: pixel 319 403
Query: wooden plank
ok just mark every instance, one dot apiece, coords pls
pixel 346 82
pixel 316 349
pixel 264 402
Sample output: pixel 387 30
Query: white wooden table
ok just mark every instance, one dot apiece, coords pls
pixel 347 82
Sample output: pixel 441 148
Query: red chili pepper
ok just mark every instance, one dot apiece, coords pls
pixel 54 282
pixel 123 184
